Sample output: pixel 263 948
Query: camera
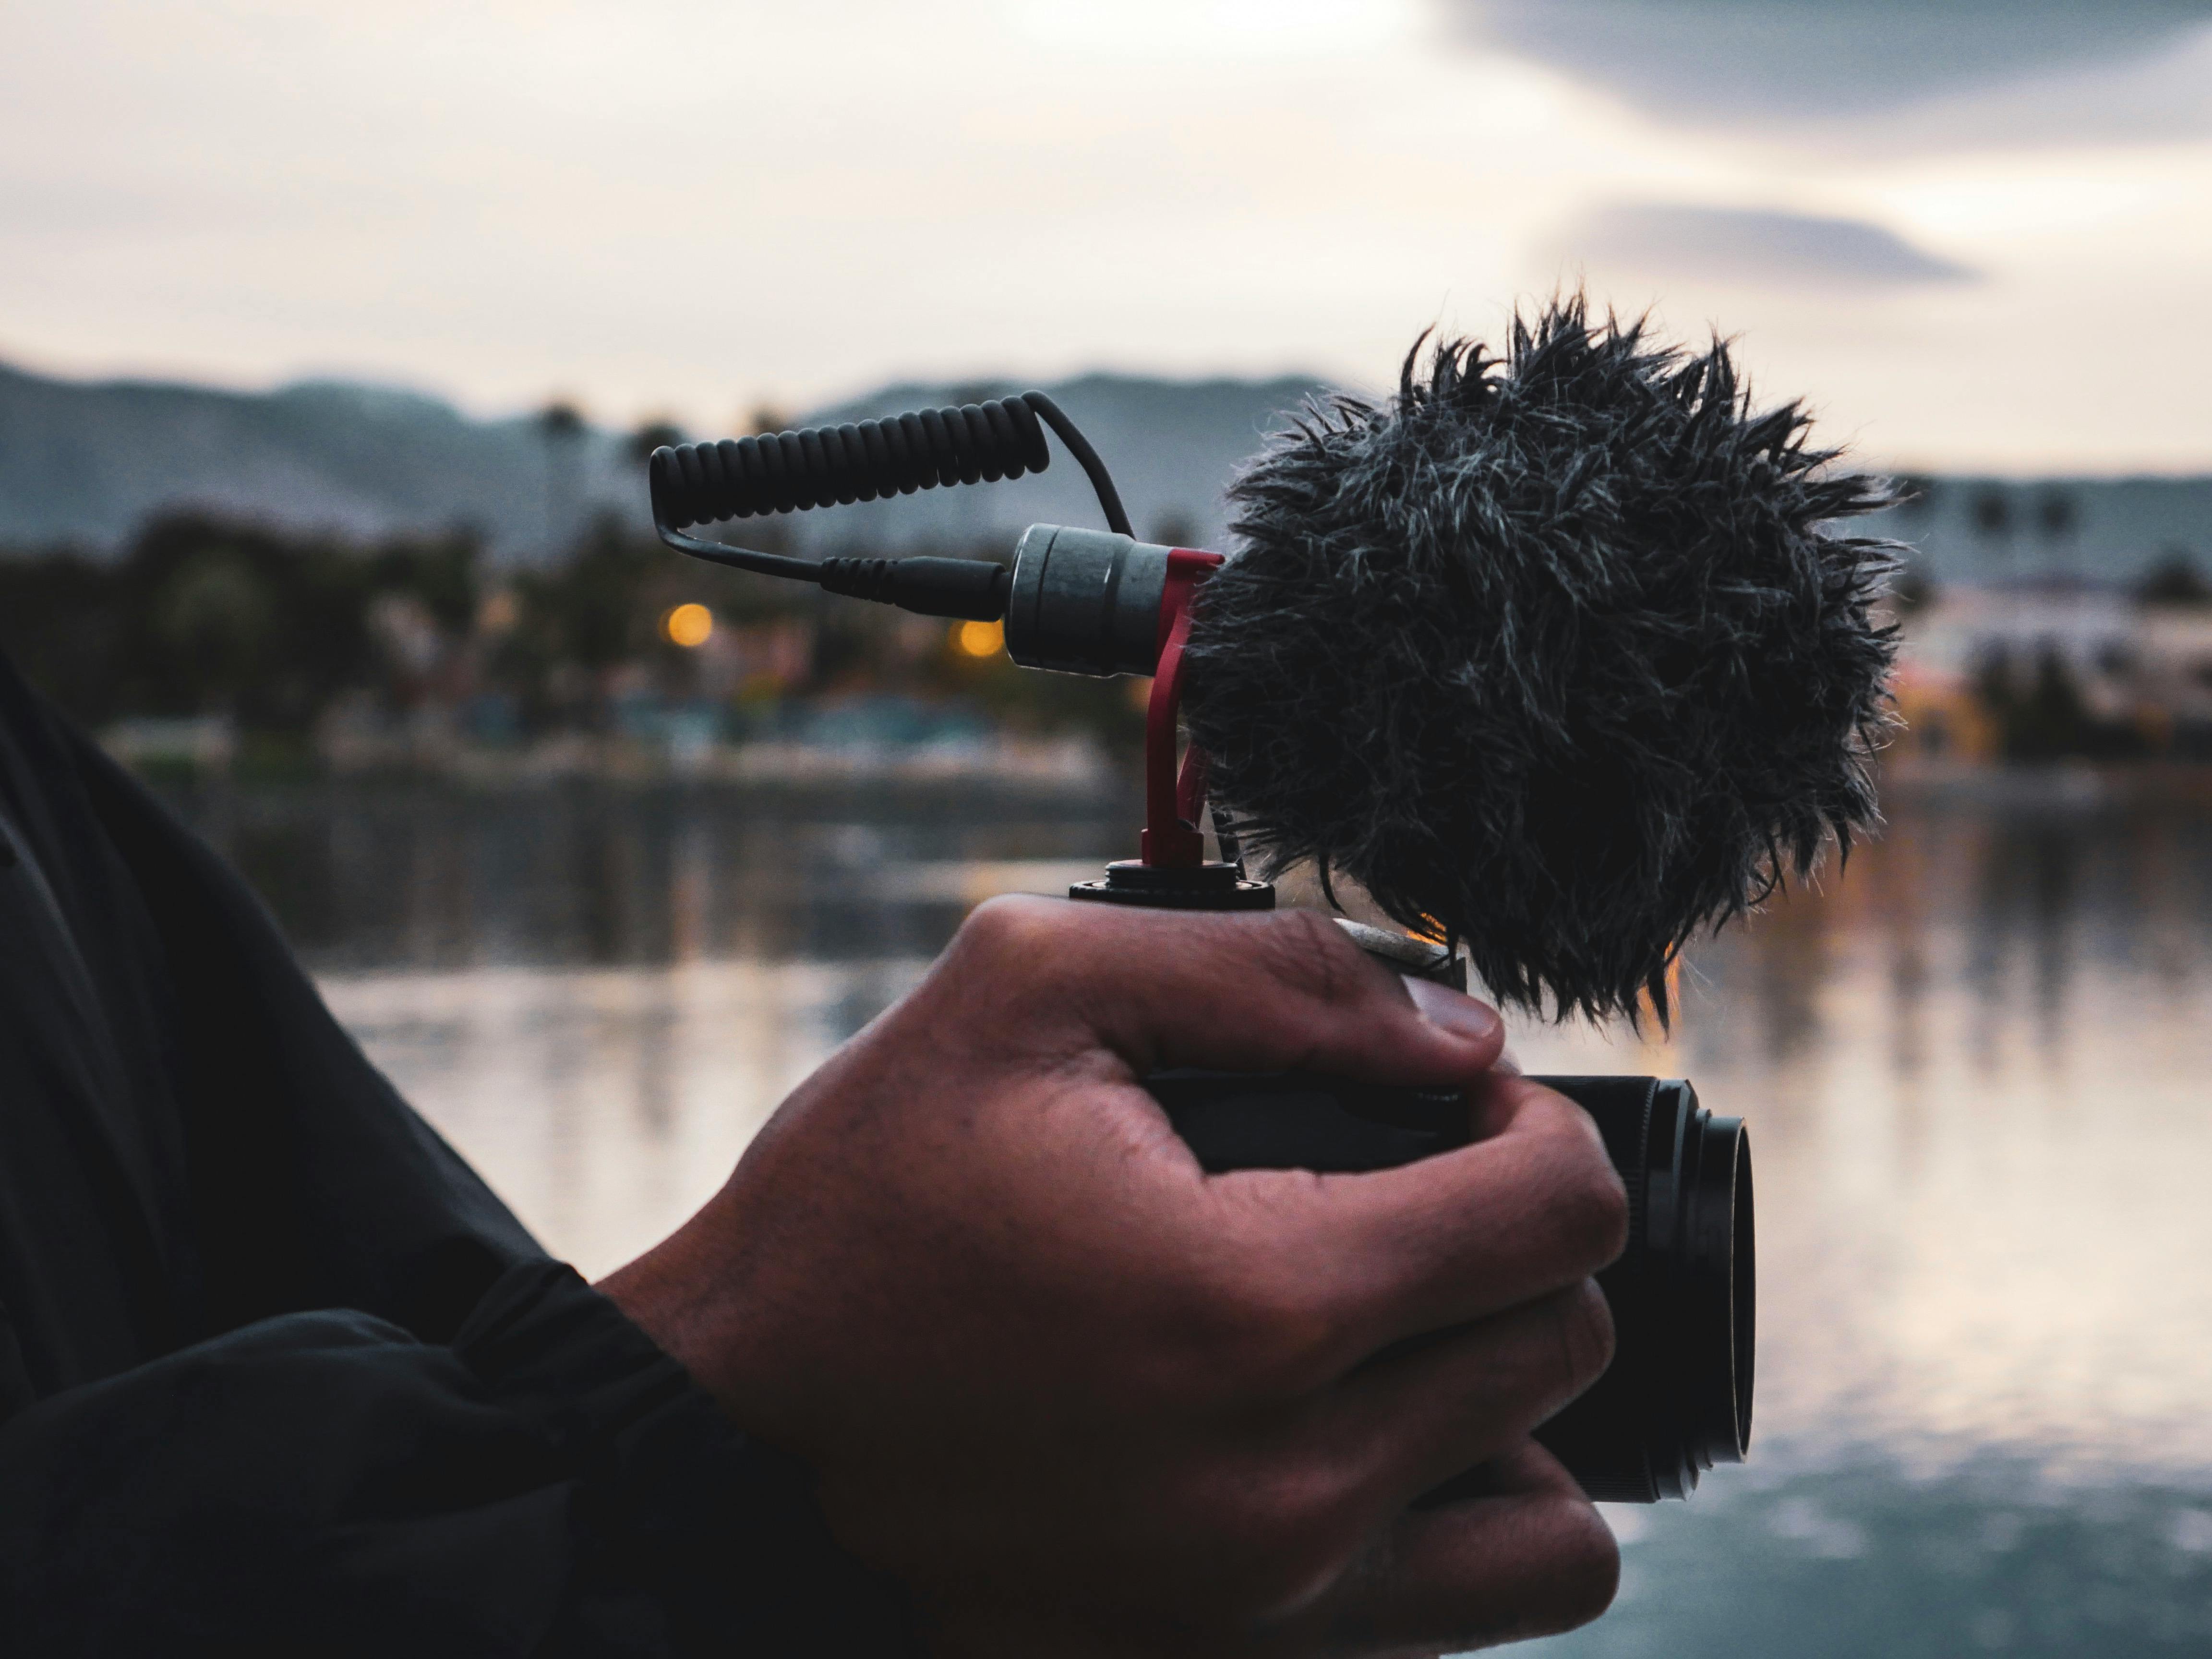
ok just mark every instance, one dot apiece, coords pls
pixel 1677 1398
pixel 1562 656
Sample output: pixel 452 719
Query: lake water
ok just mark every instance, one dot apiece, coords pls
pixel 1977 1070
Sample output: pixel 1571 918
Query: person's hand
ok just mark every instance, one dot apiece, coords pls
pixel 1085 1399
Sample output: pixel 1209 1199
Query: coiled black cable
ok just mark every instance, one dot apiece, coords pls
pixel 864 461
pixel 859 461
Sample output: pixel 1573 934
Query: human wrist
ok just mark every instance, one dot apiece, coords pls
pixel 678 1293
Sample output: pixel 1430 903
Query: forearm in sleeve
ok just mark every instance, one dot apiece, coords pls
pixel 549 1484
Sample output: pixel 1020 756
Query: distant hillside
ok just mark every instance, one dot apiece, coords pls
pixel 88 462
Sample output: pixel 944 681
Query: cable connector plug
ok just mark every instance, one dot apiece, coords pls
pixel 973 588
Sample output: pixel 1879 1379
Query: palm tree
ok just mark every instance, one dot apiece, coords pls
pixel 561 428
pixel 654 434
pixel 1992 514
pixel 2057 517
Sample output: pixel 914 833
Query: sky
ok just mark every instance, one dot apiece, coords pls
pixel 1974 234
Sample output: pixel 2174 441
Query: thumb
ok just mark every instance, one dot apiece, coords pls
pixel 1251 992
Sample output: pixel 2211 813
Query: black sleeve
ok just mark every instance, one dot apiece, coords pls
pixel 312 1184
pixel 365 1414
pixel 323 1483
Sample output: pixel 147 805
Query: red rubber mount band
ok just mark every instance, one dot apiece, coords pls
pixel 1173 803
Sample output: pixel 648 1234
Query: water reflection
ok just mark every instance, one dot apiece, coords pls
pixel 416 879
pixel 1867 1559
pixel 607 1104
pixel 1973 1069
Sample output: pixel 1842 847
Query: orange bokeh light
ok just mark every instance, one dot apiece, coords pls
pixel 980 639
pixel 688 625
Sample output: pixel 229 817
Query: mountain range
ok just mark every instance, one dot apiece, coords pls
pixel 86 463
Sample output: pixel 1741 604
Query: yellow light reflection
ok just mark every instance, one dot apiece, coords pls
pixel 980 639
pixel 688 625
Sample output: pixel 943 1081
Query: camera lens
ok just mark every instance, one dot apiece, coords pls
pixel 1677 1398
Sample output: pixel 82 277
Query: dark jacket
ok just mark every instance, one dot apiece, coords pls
pixel 278 1373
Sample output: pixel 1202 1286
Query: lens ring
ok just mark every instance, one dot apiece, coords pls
pixel 1677 1398
pixel 1744 1295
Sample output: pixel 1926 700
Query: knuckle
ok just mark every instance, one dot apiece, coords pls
pixel 1597 1210
pixel 1009 920
pixel 1587 1203
pixel 1283 1530
pixel 1305 951
pixel 1011 931
pixel 1582 1570
pixel 1584 1322
pixel 1290 1353
pixel 1267 1339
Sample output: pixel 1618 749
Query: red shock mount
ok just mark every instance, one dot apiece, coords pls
pixel 1172 870
pixel 1174 801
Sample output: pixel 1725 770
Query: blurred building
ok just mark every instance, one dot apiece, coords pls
pixel 2046 671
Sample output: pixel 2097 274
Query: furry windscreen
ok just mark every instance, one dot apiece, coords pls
pixel 1560 657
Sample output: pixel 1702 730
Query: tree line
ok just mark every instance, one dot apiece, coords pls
pixel 276 632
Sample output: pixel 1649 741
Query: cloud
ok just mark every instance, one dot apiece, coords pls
pixel 1798 63
pixel 1756 247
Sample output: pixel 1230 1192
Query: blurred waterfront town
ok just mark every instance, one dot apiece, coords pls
pixel 214 646
pixel 2043 623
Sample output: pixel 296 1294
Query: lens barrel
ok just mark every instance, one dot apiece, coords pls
pixel 1677 1398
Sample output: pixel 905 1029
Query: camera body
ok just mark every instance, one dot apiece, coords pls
pixel 1677 1398
pixel 1372 649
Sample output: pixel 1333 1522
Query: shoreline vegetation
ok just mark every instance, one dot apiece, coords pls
pixel 212 649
